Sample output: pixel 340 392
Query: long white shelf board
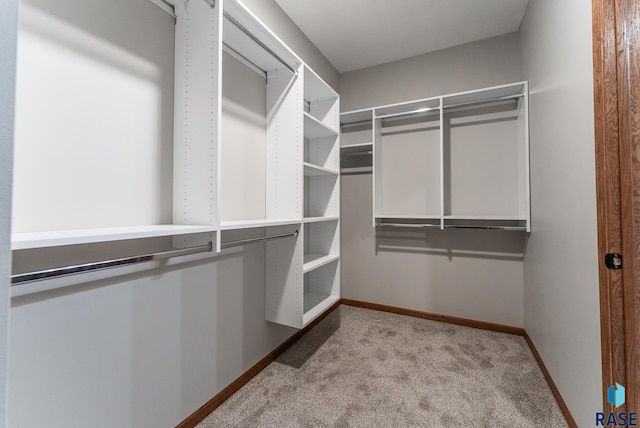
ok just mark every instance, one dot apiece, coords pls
pixel 311 170
pixel 313 128
pixel 409 217
pixel 248 224
pixel 22 241
pixel 314 261
pixel 356 170
pixel 315 304
pixel 356 116
pixel 319 219
pixel 486 217
pixel 349 147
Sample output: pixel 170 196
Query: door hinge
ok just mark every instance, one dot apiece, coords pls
pixel 613 260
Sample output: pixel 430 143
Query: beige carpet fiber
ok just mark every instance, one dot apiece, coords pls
pixel 364 368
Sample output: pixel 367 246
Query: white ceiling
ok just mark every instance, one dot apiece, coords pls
pixel 354 34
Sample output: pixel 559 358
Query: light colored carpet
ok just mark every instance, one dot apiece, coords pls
pixel 364 368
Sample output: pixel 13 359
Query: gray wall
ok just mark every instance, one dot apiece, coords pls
pixel 470 274
pixel 562 312
pixel 141 346
pixel 471 66
pixel 8 29
pixel 274 17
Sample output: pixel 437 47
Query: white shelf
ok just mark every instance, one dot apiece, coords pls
pixel 22 241
pixel 313 128
pixel 314 261
pixel 359 149
pixel 356 170
pixel 355 116
pixel 319 219
pixel 409 217
pixel 311 170
pixel 248 224
pixel 492 93
pixel 485 217
pixel 247 46
pixel 349 147
pixel 315 304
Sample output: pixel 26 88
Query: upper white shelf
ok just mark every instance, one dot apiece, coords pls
pixel 311 170
pixel 238 23
pixel 356 116
pixel 248 224
pixel 319 219
pixel 486 217
pixel 314 261
pixel 360 148
pixel 23 241
pixel 313 128
pixel 494 93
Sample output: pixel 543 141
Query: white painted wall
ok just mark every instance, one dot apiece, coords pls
pixel 463 273
pixel 141 346
pixel 562 310
pixel 8 31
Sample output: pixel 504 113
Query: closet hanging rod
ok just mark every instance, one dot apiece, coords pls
pixel 260 43
pixel 413 225
pixel 352 124
pixel 488 100
pixel 246 61
pixel 253 240
pixel 369 152
pixel 407 113
pixel 106 264
pixel 461 226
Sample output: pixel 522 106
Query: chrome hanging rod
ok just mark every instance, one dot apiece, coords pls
pixel 460 226
pixel 107 264
pixel 253 240
pixel 407 113
pixel 369 152
pixel 353 124
pixel 489 100
pixel 260 43
pixel 413 225
pixel 246 61
pixel 428 109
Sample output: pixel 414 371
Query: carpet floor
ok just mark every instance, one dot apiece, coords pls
pixel 364 368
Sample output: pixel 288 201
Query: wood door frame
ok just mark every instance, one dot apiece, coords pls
pixel 616 56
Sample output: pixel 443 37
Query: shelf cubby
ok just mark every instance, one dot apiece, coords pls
pixel 321 196
pixel 321 290
pixel 321 244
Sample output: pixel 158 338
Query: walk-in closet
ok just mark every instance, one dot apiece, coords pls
pixel 264 213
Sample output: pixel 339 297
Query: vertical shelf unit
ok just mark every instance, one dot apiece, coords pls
pixel 356 141
pixel 256 146
pixel 321 174
pixel 236 156
pixel 485 141
pixel 407 158
pixel 455 161
pixel 263 127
